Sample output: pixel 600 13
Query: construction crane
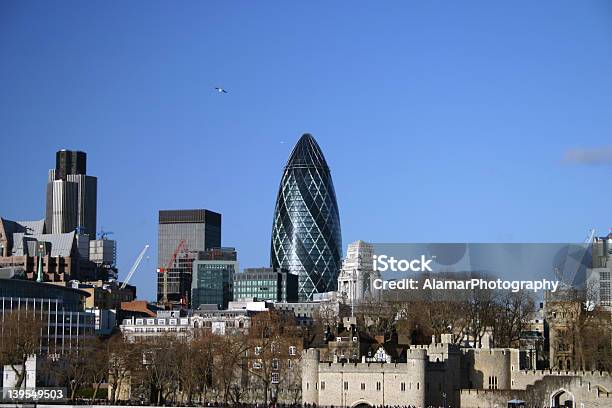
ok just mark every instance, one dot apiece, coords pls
pixel 133 268
pixel 181 245
pixel 103 234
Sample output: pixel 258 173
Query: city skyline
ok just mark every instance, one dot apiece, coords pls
pixel 443 143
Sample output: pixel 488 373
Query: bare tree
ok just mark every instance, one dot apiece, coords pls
pixel 513 312
pixel 124 361
pixel 202 355
pixel 98 353
pixel 377 316
pixel 20 337
pixel 159 358
pixel 581 330
pixel 69 370
pixel 229 377
pixel 328 314
pixel 272 350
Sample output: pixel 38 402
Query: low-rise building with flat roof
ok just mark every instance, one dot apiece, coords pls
pixel 261 284
pixel 62 310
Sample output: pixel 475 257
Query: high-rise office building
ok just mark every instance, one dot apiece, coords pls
pixel 182 234
pixel 62 206
pixel 306 237
pixel 213 277
pixel 70 162
pixel 599 281
pixel 71 195
pixel 104 253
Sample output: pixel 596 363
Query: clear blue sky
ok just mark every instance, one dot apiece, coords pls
pixel 441 121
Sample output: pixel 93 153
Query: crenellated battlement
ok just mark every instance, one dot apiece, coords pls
pixel 413 366
pixel 572 373
pixel 311 352
pixel 491 352
pixel 419 353
pixel 364 365
pixel 433 346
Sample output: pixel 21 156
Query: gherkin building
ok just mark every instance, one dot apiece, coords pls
pixel 306 237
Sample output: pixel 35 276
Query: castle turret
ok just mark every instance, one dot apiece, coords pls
pixel 310 376
pixel 416 360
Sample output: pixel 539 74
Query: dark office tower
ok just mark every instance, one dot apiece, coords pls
pixel 69 162
pixel 71 195
pixel 306 237
pixel 182 234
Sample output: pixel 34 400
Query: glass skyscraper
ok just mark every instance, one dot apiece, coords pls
pixel 306 237
pixel 182 234
pixel 213 277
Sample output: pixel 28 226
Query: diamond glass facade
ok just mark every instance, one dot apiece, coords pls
pixel 306 237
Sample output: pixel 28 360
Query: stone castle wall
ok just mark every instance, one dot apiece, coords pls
pixel 444 373
pixel 350 384
pixel 584 392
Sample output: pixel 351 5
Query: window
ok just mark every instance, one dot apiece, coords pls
pixel 275 378
pixel 492 382
pixel 275 364
pixel 292 350
pixel 290 364
pixel 378 386
pixel 346 385
pixel 403 386
pixel 257 350
pixel 322 385
pixel 362 386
